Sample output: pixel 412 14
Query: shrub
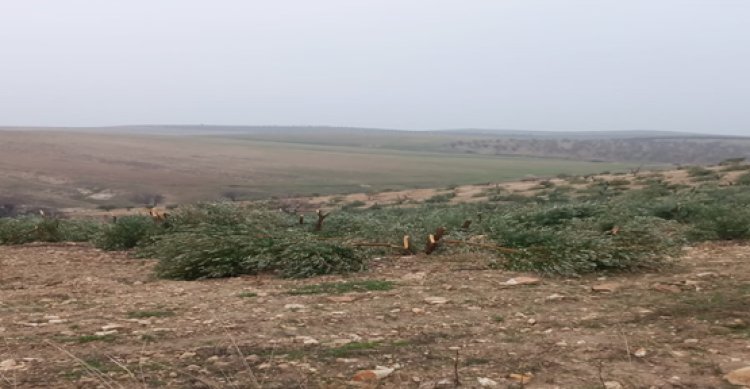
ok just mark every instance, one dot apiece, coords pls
pixel 126 233
pixel 440 198
pixel 744 179
pixel 35 229
pixel 238 251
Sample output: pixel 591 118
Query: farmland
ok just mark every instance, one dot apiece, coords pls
pixel 90 169
pixel 620 279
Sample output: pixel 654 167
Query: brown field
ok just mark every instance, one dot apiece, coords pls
pixel 76 317
pixel 65 169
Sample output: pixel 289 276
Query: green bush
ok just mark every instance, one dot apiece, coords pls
pixel 226 252
pixel 744 179
pixel 440 198
pixel 36 229
pixel 126 233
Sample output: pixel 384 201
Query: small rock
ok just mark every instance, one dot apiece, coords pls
pixel 690 341
pixel 307 339
pixel 522 281
pixel 487 383
pixel 347 360
pixel 105 333
pixel 612 385
pixel 9 364
pixel 212 359
pixel 193 368
pixel 414 276
pixel 294 307
pixel 531 321
pixel 606 287
pixel 110 327
pixel 521 378
pixel 252 358
pixel 666 288
pixel 372 375
pixel 417 311
pixel 555 297
pixel 187 355
pixel 640 353
pixel 435 300
pixel 739 376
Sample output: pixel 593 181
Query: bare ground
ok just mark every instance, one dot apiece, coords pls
pixel 684 327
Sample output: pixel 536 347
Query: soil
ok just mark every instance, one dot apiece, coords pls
pixel 72 316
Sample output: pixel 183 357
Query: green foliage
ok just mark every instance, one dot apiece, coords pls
pixel 440 198
pixel 36 229
pixel 255 241
pixel 744 179
pixel 126 233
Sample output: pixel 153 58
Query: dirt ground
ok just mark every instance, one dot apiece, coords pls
pixel 72 316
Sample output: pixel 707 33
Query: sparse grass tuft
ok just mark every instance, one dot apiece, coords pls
pixel 344 287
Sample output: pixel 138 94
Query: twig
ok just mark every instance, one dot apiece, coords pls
pixel 456 380
pixel 627 346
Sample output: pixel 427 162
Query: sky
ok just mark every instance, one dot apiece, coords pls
pixel 680 65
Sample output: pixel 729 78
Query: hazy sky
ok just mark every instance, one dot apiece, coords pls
pixel 417 64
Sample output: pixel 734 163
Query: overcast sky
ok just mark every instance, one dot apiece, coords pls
pixel 679 65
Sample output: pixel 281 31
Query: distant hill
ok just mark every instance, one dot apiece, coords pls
pixel 613 146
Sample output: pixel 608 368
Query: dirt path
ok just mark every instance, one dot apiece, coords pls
pixel 682 328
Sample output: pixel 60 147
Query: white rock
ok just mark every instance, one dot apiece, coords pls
pixel 522 281
pixel 640 353
pixel 294 306
pixel 612 385
pixel 8 364
pixel 487 383
pixel 435 300
pixel 739 376
pixel 187 355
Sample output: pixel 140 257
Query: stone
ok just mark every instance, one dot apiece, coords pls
pixel 640 353
pixel 487 383
pixel 612 385
pixel 521 378
pixel 417 311
pixel 372 375
pixel 522 281
pixel 187 355
pixel 294 307
pixel 555 297
pixel 606 287
pixel 110 327
pixel 739 376
pixel 9 364
pixel 666 288
pixel 435 300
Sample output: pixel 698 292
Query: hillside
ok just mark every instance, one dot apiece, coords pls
pixel 79 169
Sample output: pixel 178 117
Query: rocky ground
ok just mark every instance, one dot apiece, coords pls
pixel 72 316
